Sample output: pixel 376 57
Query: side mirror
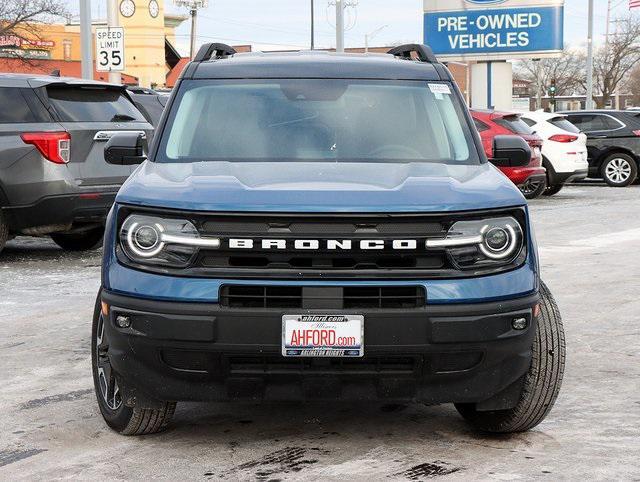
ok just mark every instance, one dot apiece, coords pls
pixel 510 151
pixel 125 149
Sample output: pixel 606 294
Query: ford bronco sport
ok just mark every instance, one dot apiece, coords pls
pixel 320 226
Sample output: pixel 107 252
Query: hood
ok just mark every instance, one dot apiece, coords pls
pixel 319 187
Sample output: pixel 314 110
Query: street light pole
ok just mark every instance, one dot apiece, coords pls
pixel 370 35
pixel 589 99
pixel 86 45
pixel 339 25
pixel 312 25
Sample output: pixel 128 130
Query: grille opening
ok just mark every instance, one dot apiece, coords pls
pixel 278 365
pixel 322 261
pixel 379 297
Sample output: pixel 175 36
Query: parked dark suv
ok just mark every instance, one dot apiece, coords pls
pixel 613 142
pixel 320 226
pixel 53 177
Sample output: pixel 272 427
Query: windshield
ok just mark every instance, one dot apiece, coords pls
pixel 316 120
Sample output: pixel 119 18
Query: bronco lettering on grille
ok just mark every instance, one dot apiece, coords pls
pixel 316 244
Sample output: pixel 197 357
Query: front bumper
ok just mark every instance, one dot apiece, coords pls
pixel 437 353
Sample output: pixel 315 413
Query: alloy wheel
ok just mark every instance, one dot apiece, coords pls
pixel 529 187
pixel 108 385
pixel 618 170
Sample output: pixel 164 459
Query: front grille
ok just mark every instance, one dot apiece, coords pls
pixel 325 259
pixel 319 229
pixel 314 297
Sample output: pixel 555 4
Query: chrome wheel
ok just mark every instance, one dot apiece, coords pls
pixel 618 170
pixel 107 383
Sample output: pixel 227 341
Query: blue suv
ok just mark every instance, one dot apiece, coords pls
pixel 321 226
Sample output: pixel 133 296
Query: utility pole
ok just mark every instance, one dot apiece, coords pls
pixel 312 25
pixel 606 30
pixel 589 99
pixel 86 45
pixel 194 24
pixel 339 25
pixel 113 21
pixel 193 6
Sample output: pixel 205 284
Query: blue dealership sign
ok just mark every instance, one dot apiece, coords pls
pixel 489 31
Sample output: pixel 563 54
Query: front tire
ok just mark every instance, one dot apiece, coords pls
pixel 542 381
pixel 533 189
pixel 108 387
pixel 619 170
pixel 82 241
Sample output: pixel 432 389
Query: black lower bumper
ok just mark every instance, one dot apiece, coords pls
pixel 86 207
pixel 556 178
pixel 436 354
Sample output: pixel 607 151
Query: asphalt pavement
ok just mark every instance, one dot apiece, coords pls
pixel 51 428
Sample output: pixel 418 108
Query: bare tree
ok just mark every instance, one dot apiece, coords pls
pixel 22 19
pixel 565 72
pixel 615 60
pixel 633 85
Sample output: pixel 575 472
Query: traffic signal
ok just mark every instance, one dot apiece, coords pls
pixel 552 91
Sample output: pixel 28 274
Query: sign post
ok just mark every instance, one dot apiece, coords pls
pixel 491 32
pixel 110 49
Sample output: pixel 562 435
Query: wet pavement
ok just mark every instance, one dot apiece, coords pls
pixel 50 425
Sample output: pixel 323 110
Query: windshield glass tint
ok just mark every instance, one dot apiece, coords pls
pixel 515 124
pixel 307 119
pixel 564 124
pixel 81 104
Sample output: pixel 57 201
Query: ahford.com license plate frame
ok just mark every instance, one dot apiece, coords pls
pixel 322 335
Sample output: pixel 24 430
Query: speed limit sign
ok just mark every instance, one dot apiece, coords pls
pixel 110 49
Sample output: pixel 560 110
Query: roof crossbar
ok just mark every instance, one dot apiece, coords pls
pixel 424 53
pixel 210 51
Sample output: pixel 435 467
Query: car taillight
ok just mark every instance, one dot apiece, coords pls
pixel 54 146
pixel 563 138
pixel 637 133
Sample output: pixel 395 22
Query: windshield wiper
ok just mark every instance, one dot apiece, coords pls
pixel 122 118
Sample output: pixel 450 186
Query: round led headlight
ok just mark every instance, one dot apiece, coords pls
pixel 499 241
pixel 145 240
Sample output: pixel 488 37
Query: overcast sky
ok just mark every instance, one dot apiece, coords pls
pixel 277 24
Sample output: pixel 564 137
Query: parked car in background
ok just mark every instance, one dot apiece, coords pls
pixel 564 148
pixel 531 179
pixel 150 102
pixel 53 177
pixel 613 143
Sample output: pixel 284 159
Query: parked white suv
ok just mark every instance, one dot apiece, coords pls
pixel 564 148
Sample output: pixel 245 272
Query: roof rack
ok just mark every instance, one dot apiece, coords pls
pixel 425 54
pixel 214 50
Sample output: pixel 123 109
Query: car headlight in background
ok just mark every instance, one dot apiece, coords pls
pixel 162 241
pixel 482 242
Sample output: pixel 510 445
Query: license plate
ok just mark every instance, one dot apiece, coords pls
pixel 323 335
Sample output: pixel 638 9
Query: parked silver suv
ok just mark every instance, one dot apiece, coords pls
pixel 53 177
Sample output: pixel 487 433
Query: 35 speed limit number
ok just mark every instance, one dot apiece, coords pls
pixel 110 49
